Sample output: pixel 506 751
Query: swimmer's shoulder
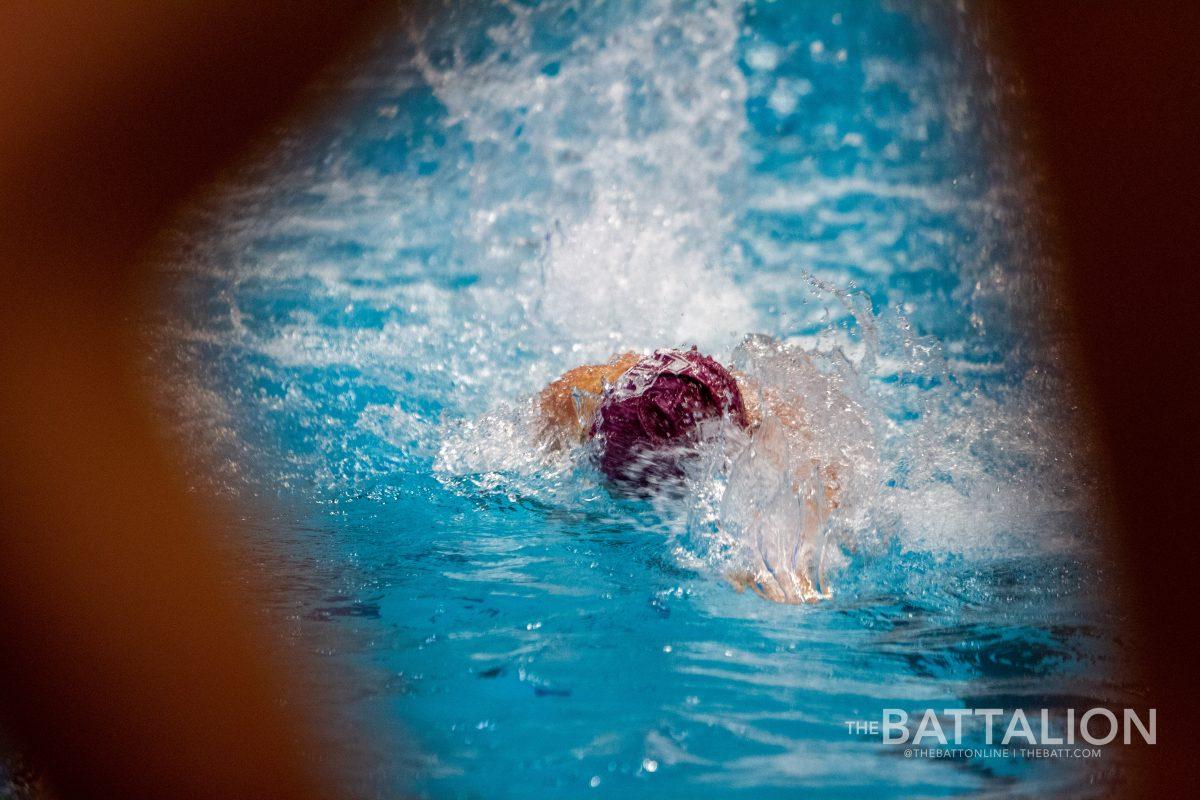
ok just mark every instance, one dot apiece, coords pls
pixel 568 402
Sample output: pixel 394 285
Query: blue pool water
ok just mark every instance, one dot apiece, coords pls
pixel 497 192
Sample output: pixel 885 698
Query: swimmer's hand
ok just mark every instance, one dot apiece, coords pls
pixel 795 589
pixel 568 405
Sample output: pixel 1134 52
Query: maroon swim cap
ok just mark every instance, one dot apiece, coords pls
pixel 653 412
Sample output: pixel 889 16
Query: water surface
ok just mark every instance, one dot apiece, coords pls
pixel 501 191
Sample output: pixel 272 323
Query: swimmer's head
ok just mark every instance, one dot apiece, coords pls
pixel 655 410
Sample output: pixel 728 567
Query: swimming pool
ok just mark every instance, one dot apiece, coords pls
pixel 501 191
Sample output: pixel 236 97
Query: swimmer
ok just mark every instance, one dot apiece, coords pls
pixel 645 414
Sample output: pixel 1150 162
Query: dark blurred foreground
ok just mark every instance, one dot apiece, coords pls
pixel 1113 91
pixel 129 665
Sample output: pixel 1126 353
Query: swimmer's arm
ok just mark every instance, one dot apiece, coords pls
pixel 761 402
pixel 568 403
